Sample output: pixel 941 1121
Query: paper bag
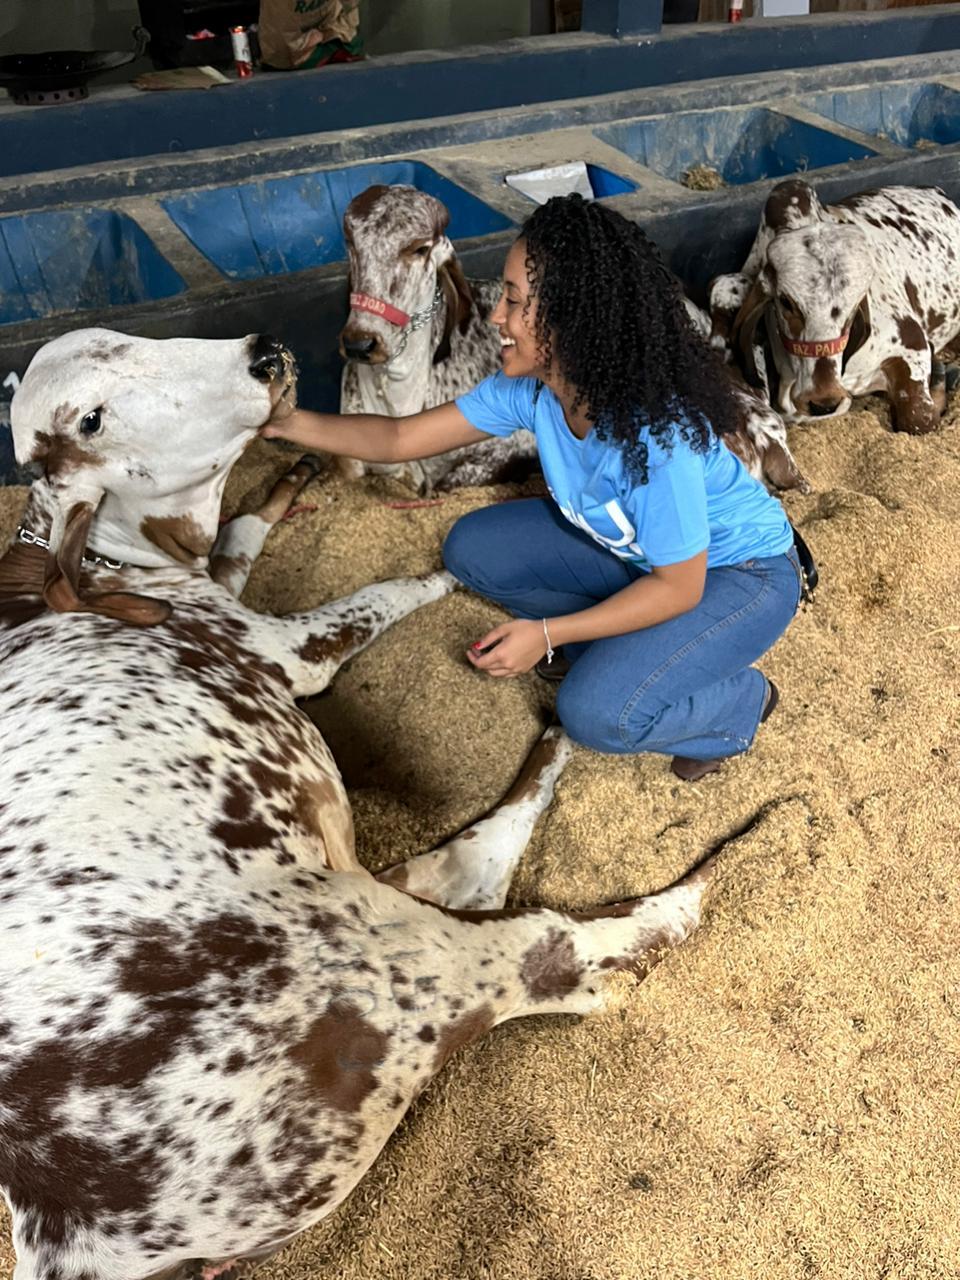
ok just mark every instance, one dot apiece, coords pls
pixel 304 33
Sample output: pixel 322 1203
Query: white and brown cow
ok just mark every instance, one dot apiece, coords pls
pixel 852 298
pixel 212 1017
pixel 418 334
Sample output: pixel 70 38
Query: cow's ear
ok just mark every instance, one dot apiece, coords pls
pixel 860 329
pixel 61 582
pixel 743 335
pixel 459 300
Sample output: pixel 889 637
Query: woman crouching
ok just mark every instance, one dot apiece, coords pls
pixel 658 571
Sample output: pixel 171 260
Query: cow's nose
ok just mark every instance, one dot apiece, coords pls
pixel 358 348
pixel 822 408
pixel 266 358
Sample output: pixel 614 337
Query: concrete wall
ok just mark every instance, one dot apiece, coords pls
pixel 30 26
pixel 388 26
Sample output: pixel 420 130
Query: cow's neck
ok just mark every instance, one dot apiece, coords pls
pixel 169 531
pixel 179 529
pixel 400 386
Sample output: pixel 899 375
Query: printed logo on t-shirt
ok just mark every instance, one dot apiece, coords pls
pixel 625 546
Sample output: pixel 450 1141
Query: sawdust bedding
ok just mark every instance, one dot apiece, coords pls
pixel 778 1101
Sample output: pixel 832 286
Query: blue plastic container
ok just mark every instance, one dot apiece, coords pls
pixel 78 260
pixel 742 145
pixel 906 113
pixel 289 224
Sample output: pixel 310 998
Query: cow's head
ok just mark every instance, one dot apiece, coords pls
pixel 399 254
pixel 132 440
pixel 812 293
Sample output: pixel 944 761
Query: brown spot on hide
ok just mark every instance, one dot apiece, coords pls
pixel 226 948
pixel 267 781
pixel 61 1181
pixel 550 968
pixel 339 1055
pixel 179 537
pixel 223 569
pixel 789 204
pixel 254 834
pixel 910 403
pixel 935 319
pixel 794 322
pixel 911 334
pixel 462 1032
pixel 333 644
pixel 62 454
pixel 361 206
pixel 913 297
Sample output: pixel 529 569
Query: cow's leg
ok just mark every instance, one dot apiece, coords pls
pixel 562 957
pixel 474 869
pixel 241 539
pixel 908 390
pixel 481 968
pixel 313 646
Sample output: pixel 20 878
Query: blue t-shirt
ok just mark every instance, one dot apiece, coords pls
pixel 691 502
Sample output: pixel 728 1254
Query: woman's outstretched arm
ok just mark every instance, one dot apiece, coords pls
pixel 373 437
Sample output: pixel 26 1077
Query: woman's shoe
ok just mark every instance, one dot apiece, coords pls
pixel 690 770
pixel 554 670
pixel 770 706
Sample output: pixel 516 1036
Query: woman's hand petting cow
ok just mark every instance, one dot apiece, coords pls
pixel 659 566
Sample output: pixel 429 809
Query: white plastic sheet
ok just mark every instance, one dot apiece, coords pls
pixel 558 180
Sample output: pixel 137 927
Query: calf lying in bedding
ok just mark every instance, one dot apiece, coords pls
pixel 212 1017
pixel 848 299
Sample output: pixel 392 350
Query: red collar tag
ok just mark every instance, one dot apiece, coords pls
pixel 811 350
pixel 377 307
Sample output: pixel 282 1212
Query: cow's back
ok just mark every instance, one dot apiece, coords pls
pixel 167 919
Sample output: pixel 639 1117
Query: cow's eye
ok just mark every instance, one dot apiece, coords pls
pixel 423 250
pixel 90 423
pixel 786 303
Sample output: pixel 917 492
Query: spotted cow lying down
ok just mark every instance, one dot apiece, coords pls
pixel 213 1017
pixel 844 300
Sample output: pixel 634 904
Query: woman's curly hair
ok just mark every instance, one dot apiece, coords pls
pixel 612 317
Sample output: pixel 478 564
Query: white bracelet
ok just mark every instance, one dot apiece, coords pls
pixel 546 636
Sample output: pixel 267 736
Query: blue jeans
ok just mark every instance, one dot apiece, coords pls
pixel 682 687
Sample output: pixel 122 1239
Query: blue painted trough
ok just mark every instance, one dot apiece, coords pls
pixel 78 260
pixel 290 224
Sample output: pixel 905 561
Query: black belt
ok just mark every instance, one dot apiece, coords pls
pixel 808 566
